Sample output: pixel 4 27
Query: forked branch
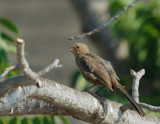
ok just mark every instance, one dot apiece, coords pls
pixel 135 92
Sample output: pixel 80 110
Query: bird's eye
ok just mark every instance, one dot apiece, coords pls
pixel 77 47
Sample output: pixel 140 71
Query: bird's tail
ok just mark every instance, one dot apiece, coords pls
pixel 132 101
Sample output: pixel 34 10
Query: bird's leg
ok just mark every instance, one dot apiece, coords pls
pixel 85 90
pixel 99 89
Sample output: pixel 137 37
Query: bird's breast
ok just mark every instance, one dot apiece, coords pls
pixel 81 64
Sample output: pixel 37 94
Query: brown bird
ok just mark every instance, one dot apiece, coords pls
pixel 99 71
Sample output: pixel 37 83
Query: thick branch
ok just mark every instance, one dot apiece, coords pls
pixel 78 104
pixel 84 106
pixel 12 83
pixel 32 106
pixel 104 25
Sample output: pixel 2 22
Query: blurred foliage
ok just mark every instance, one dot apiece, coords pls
pixel 78 81
pixel 9 25
pixel 49 119
pixel 152 113
pixel 140 27
pixel 6 40
pixel 7 43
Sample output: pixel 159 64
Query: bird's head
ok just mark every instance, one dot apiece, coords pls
pixel 79 49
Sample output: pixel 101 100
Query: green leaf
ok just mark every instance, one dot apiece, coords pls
pixel 9 25
pixel 3 56
pixel 6 37
pixel 64 119
pixel 7 47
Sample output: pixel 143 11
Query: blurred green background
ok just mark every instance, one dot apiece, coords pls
pixel 139 28
pixel 34 120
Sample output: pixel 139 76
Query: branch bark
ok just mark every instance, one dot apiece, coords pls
pixel 32 106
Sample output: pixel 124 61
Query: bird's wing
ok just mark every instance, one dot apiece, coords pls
pixel 98 70
pixel 110 69
pixel 107 65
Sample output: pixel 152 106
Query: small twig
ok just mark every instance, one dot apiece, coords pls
pixel 50 67
pixel 135 85
pixel 105 24
pixel 143 105
pixel 150 107
pixel 6 71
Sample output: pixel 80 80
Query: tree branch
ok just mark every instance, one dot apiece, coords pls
pixel 135 85
pixel 135 93
pixel 80 105
pixel 6 71
pixel 143 105
pixel 23 64
pixel 98 29
pixel 12 83
pixel 50 67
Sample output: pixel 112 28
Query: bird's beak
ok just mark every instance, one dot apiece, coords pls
pixel 71 49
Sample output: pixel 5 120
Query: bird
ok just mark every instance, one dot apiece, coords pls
pixel 98 71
